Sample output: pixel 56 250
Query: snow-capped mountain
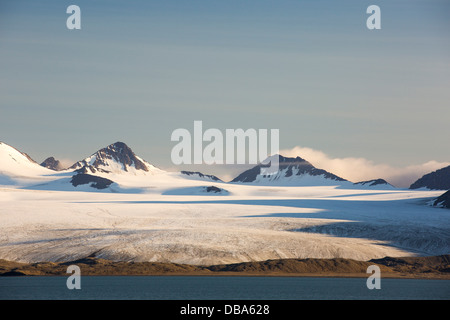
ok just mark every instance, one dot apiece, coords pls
pixel 115 158
pixel 119 164
pixel 436 180
pixel 17 167
pixel 199 175
pixel 122 169
pixel 291 171
pixel 115 168
pixel 377 183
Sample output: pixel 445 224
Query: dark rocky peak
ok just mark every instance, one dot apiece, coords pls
pixel 200 175
pixel 436 180
pixel 372 183
pixel 52 163
pixel 443 201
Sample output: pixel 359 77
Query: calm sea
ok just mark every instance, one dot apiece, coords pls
pixel 219 288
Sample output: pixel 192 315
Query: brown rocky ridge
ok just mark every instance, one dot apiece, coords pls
pixel 434 267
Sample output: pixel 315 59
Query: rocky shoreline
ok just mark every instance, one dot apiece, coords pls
pixel 434 267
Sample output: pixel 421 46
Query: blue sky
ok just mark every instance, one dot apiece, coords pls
pixel 137 70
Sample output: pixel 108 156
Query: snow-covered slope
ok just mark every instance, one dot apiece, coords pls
pixel 14 162
pixel 197 191
pixel 18 168
pixel 251 223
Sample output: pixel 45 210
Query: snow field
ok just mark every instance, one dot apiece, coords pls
pixel 251 223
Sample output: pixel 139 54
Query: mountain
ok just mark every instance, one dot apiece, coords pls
pixel 19 169
pixel 378 183
pixel 53 164
pixel 200 176
pixel 115 168
pixel 18 165
pixel 115 158
pixel 436 180
pixel 291 171
pixel 443 201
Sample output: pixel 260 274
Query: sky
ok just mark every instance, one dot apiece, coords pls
pixel 138 70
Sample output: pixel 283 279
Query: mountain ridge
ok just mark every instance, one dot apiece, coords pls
pixel 374 183
pixel 119 158
pixel 288 167
pixel 436 180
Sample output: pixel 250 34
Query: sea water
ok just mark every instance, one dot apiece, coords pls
pixel 219 288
